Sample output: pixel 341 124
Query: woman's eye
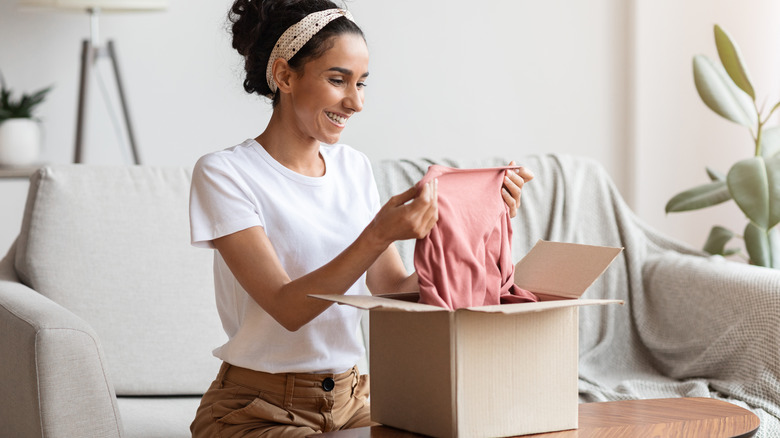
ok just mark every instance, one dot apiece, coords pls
pixel 336 81
pixel 362 85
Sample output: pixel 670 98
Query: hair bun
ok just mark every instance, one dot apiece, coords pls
pixel 245 16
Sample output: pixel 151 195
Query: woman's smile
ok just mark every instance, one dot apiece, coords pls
pixel 337 119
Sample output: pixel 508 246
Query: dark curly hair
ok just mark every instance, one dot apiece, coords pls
pixel 258 24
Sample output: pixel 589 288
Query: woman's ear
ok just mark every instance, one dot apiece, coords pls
pixel 282 73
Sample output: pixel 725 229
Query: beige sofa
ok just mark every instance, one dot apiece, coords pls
pixel 107 315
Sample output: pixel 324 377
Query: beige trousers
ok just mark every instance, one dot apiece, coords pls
pixel 247 403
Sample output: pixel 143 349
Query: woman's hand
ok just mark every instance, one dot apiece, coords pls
pixel 400 219
pixel 513 187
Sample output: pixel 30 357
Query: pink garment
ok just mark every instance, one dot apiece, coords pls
pixel 466 260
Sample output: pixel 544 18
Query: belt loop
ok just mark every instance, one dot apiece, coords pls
pixel 221 374
pixel 288 393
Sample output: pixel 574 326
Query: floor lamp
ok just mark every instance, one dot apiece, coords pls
pixel 92 50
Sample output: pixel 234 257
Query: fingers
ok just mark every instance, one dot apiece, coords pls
pixel 522 172
pixel 511 191
pixel 525 174
pixel 427 195
pixel 424 210
pixel 403 198
pixel 433 212
pixel 400 219
pixel 510 202
pixel 514 180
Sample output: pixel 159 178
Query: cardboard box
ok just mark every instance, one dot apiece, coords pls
pixel 485 371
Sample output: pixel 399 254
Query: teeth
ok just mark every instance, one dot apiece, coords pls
pixel 336 118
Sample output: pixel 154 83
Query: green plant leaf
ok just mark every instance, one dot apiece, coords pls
pixel 39 95
pixel 749 187
pixel 773 177
pixel 35 99
pixel 715 175
pixel 763 247
pixel 757 244
pixel 5 97
pixel 717 240
pixel 705 195
pixel 754 184
pixel 24 107
pixel 730 56
pixel 774 247
pixel 720 94
pixel 770 141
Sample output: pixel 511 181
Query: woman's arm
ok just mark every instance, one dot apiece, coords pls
pixel 388 275
pixel 252 259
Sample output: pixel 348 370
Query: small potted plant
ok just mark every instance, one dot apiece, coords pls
pixel 753 183
pixel 20 132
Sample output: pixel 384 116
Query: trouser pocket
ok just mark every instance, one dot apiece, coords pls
pixel 258 411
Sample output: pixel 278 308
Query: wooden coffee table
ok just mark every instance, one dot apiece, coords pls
pixel 669 417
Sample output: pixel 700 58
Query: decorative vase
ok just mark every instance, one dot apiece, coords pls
pixel 20 142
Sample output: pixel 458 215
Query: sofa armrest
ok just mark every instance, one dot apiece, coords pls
pixel 52 373
pixel 711 318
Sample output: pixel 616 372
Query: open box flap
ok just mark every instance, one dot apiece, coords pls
pixel 368 302
pixel 538 307
pixel 562 269
pixel 561 272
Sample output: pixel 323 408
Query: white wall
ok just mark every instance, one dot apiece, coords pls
pixel 505 78
pixel 448 78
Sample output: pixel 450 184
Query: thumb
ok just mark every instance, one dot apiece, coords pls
pixel 403 198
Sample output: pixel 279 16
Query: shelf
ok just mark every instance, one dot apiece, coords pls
pixel 18 172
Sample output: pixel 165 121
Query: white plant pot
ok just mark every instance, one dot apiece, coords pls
pixel 20 142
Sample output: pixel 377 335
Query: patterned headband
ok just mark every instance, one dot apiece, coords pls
pixel 297 35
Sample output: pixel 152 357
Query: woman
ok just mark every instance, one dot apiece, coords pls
pixel 291 217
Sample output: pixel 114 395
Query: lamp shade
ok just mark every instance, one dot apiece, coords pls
pixel 104 5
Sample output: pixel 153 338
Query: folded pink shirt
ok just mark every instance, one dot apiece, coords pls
pixel 466 260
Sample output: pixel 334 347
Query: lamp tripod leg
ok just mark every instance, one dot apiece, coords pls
pixel 87 61
pixel 125 111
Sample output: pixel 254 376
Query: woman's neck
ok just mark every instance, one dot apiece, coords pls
pixel 293 150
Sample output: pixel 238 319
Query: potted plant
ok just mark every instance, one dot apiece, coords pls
pixel 753 183
pixel 20 132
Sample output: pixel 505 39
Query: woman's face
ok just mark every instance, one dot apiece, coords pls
pixel 330 89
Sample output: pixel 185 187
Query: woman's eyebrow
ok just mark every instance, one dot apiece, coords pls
pixel 346 71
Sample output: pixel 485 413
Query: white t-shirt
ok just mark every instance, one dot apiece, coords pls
pixel 309 221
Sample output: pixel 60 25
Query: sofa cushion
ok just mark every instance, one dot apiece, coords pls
pixel 157 417
pixel 111 244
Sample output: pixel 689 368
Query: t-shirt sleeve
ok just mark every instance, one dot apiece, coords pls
pixel 220 202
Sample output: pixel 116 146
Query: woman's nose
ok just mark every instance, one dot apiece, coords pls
pixel 354 99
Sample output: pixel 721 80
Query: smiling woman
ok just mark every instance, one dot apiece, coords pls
pixel 291 213
pixel 327 92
